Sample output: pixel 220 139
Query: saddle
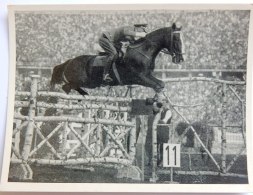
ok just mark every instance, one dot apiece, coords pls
pixel 101 59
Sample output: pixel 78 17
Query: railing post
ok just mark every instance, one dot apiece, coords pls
pixel 224 128
pixel 98 140
pixel 243 123
pixel 64 140
pixel 17 139
pixel 31 115
pixel 132 141
pixel 157 117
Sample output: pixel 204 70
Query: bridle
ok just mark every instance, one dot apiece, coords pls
pixel 171 43
pixel 172 52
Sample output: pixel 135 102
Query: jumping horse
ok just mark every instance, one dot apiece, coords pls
pixel 136 67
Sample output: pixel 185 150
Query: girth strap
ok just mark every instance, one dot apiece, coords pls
pixel 63 73
pixel 116 73
pixel 64 78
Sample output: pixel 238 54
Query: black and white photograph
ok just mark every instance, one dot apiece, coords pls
pixel 111 94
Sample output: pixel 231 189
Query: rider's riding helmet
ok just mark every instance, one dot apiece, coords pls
pixel 140 27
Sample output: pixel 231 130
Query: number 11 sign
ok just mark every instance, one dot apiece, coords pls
pixel 171 155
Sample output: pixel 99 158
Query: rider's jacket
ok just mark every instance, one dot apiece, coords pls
pixel 121 34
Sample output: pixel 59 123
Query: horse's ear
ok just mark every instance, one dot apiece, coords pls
pixel 174 26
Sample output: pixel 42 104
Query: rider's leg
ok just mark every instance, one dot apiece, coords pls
pixel 109 48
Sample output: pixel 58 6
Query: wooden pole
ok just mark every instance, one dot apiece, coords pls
pixel 157 117
pixel 232 162
pixel 107 137
pixel 243 113
pixel 84 137
pixel 85 98
pixel 190 79
pixel 76 107
pixel 77 161
pixel 194 131
pixel 27 173
pixel 99 140
pixel 64 140
pixel 77 120
pixel 144 128
pixel 18 128
pixel 198 173
pixel 243 122
pixel 86 127
pixel 17 138
pixel 132 142
pixel 81 141
pixel 45 141
pixel 31 114
pixel 223 131
pixel 119 144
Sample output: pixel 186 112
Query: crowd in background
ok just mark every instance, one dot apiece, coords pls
pixel 213 39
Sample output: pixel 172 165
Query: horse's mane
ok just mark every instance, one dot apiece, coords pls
pixel 153 34
pixel 156 34
pixel 160 31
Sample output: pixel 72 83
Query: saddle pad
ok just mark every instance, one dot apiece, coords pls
pixel 99 61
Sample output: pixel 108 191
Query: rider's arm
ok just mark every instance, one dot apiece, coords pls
pixel 129 31
pixel 140 34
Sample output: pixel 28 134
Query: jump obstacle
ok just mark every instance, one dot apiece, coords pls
pixel 224 168
pixel 115 122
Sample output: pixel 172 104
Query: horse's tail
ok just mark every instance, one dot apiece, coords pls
pixel 56 77
pixel 53 80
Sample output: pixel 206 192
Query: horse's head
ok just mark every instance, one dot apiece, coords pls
pixel 175 44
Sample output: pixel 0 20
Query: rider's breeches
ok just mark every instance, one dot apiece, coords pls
pixel 109 48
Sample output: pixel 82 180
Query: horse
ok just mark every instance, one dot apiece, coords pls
pixel 135 68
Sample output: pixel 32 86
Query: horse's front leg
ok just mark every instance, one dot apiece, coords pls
pixel 160 85
pixel 148 81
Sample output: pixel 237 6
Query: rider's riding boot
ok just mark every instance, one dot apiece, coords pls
pixel 106 75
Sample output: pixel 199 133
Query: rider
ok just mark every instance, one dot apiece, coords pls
pixel 110 41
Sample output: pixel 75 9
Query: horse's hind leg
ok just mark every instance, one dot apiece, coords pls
pixel 66 88
pixel 82 91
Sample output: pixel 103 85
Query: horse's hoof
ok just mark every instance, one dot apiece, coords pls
pixel 66 88
pixel 160 97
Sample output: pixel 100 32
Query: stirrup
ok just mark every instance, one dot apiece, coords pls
pixel 107 78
